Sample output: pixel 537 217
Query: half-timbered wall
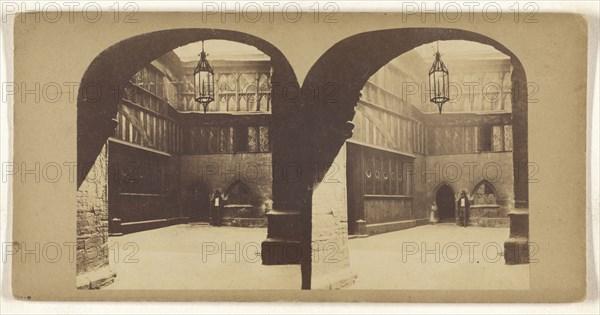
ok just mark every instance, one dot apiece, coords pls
pixel 384 120
pixel 148 119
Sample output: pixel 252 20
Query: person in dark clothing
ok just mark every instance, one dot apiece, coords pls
pixel 217 201
pixel 463 206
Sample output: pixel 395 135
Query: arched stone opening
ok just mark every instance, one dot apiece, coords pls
pixel 484 193
pixel 103 86
pixel 196 201
pixel 238 193
pixel 488 206
pixel 446 202
pixel 343 71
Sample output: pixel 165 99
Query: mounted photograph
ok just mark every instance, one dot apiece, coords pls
pixel 353 157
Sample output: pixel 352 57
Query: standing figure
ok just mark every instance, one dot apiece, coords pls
pixel 433 217
pixel 217 201
pixel 463 209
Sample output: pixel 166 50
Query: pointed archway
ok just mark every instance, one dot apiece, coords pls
pixel 196 202
pixel 446 203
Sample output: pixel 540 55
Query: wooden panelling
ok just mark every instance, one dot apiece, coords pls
pixel 355 186
pixel 377 186
pixel 139 184
pixel 382 209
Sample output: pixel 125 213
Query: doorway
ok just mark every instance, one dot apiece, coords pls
pixel 444 199
pixel 197 202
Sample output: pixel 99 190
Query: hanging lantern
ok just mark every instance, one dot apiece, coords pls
pixel 439 84
pixel 204 81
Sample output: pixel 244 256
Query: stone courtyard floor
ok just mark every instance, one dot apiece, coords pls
pixel 198 257
pixel 468 259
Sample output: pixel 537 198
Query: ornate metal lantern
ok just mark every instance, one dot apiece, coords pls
pixel 439 84
pixel 204 81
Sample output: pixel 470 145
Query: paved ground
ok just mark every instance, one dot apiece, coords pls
pixel 205 257
pixel 395 260
pixel 197 257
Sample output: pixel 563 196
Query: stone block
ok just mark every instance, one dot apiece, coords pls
pixel 516 251
pixel 246 222
pixel 339 279
pixel 95 279
pixel 280 252
pixel 519 223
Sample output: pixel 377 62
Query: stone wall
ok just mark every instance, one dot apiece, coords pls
pixel 219 171
pixel 466 171
pixel 330 253
pixel 92 227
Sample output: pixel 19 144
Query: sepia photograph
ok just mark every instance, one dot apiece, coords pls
pixel 284 152
pixel 198 174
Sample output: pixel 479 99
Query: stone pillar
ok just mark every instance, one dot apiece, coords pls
pixel 288 231
pixel 287 134
pixel 93 271
pixel 330 253
pixel 282 245
pixel 520 137
pixel 516 248
pixel 285 222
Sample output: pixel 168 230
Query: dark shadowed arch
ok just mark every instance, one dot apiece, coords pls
pixel 196 201
pixel 445 198
pixel 238 193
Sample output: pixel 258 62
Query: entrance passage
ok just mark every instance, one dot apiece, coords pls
pixel 197 202
pixel 444 199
